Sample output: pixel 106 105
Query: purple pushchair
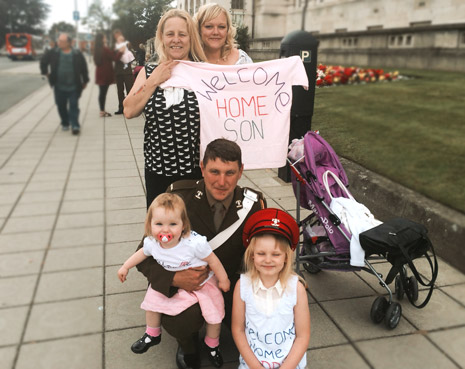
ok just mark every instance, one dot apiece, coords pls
pixel 326 241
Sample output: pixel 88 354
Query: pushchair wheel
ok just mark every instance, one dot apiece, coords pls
pixel 412 288
pixel 399 288
pixel 312 268
pixel 393 314
pixel 378 309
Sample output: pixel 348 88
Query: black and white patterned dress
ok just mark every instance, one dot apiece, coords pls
pixel 171 135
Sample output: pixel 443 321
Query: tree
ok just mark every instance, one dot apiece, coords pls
pixel 60 27
pixel 243 37
pixel 98 17
pixel 22 16
pixel 138 19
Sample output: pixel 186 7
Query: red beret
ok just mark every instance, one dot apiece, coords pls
pixel 271 221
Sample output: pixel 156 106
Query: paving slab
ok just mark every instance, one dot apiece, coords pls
pixel 412 351
pixel 123 311
pixel 15 242
pixel 19 264
pixel 451 342
pixel 352 316
pixel 336 357
pixel 331 285
pixel 78 237
pixel 7 356
pixel 63 319
pixel 70 353
pixel 73 258
pixel 10 297
pixel 324 332
pixel 441 312
pixel 68 285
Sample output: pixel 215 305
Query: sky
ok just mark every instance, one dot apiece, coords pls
pixel 62 10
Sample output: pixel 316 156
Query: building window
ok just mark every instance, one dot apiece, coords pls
pixel 408 40
pixel 462 38
pixel 355 41
pixel 237 4
pixel 400 40
pixel 392 41
pixel 420 24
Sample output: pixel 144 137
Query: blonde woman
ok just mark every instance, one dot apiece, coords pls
pixel 217 34
pixel 172 120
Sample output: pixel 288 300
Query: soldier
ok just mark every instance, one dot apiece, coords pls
pixel 217 208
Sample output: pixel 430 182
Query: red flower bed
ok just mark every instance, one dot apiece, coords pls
pixel 328 75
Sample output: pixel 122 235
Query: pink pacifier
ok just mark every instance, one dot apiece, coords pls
pixel 165 237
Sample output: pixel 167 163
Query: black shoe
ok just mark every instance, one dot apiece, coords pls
pixel 119 111
pixel 214 355
pixel 75 131
pixel 187 361
pixel 144 343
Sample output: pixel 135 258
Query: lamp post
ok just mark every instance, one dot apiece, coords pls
pixel 76 18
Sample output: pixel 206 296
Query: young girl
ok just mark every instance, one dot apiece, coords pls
pixel 270 317
pixel 122 45
pixel 175 247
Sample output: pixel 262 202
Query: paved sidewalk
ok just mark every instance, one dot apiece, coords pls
pixel 72 210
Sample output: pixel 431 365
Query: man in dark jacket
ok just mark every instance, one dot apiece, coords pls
pixel 68 76
pixel 221 168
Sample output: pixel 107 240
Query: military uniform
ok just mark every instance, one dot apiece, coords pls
pixel 230 253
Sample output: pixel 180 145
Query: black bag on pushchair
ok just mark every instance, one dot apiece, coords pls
pixel 401 241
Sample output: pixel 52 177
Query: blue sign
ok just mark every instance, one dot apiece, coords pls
pixel 76 15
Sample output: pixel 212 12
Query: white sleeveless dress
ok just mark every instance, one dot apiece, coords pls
pixel 270 336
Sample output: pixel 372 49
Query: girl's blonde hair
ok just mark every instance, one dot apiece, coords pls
pixel 172 202
pixel 210 11
pixel 195 47
pixel 283 245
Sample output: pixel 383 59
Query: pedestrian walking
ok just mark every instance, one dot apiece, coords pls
pixel 104 73
pixel 66 70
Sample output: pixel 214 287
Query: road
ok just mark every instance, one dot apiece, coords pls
pixel 18 79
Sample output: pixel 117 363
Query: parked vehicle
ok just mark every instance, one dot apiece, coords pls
pixel 21 46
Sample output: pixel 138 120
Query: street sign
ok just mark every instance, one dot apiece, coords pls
pixel 306 56
pixel 76 15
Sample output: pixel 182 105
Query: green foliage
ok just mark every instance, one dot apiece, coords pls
pixel 243 37
pixel 138 19
pixel 60 27
pixel 22 16
pixel 98 17
pixel 409 131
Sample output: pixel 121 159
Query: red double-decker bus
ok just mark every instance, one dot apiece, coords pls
pixel 24 46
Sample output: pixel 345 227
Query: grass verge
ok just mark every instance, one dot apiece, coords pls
pixel 410 131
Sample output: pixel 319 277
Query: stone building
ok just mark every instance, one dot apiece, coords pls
pixel 425 34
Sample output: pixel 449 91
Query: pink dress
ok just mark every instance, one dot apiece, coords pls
pixel 188 253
